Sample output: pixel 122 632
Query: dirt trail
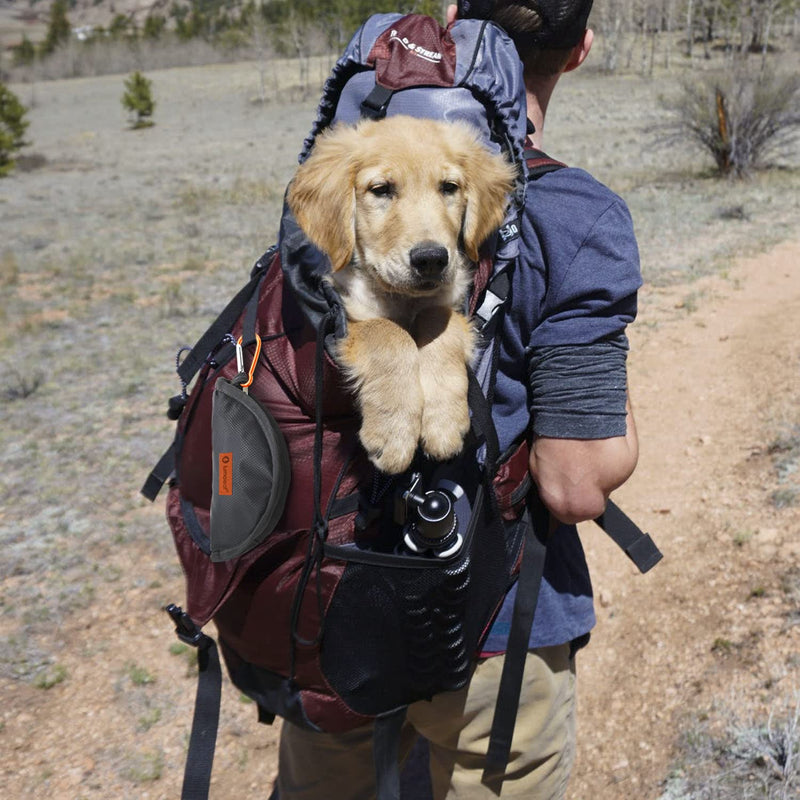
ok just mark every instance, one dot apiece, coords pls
pixel 711 387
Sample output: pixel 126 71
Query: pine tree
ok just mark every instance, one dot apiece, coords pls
pixel 138 99
pixel 59 28
pixel 12 128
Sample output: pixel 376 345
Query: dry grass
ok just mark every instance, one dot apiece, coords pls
pixel 727 758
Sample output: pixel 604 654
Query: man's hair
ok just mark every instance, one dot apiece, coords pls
pixel 544 31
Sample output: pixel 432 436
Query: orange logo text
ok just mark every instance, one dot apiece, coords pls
pixel 226 473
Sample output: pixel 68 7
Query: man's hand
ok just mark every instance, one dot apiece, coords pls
pixel 576 476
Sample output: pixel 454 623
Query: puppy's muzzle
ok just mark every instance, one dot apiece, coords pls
pixel 429 260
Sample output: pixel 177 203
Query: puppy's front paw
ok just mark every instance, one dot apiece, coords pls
pixel 391 441
pixel 444 426
pixel 381 361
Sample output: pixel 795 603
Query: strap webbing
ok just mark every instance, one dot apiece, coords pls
pixel 376 102
pixel 385 748
pixel 160 473
pixel 205 723
pixel 539 163
pixel 222 325
pixel 482 421
pixel 530 580
pixel 637 544
pixel 203 739
pixel 251 314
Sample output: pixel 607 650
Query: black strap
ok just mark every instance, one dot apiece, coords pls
pixel 205 723
pixel 190 365
pixel 246 298
pixel 160 473
pixel 482 421
pixel 251 315
pixel 539 163
pixel 385 749
pixel 530 580
pixel 376 102
pixel 637 544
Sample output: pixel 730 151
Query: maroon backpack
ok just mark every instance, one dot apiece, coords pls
pixel 340 594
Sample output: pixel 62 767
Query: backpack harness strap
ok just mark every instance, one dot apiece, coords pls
pixel 528 585
pixel 205 723
pixel 498 285
pixel 376 103
pixel 635 543
pixel 539 163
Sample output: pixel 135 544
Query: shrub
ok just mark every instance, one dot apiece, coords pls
pixel 12 128
pixel 23 53
pixel 122 27
pixel 739 118
pixel 138 99
pixel 154 26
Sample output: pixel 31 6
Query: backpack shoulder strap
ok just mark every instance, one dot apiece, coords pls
pixel 538 162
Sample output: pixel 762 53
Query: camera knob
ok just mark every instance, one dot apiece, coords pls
pixel 436 516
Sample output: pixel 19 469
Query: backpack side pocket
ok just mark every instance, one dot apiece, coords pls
pixel 250 472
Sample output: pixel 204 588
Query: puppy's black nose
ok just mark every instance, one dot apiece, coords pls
pixel 429 259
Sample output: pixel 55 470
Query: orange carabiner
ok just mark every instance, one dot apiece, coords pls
pixel 252 363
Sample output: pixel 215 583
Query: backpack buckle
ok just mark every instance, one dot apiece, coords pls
pixel 185 627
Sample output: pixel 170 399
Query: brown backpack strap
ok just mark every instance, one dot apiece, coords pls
pixel 538 162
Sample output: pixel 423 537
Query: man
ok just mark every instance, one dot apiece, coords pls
pixel 562 383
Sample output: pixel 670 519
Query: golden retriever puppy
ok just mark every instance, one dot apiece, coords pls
pixel 401 206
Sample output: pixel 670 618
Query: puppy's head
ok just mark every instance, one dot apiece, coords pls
pixel 400 198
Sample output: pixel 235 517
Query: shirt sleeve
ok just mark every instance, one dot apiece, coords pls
pixel 593 272
pixel 576 352
pixel 579 391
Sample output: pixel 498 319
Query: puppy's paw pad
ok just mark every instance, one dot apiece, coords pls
pixel 391 450
pixel 444 438
pixel 391 459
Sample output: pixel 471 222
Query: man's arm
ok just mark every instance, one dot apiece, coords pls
pixel 576 476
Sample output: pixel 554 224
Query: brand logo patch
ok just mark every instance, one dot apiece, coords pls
pixel 226 473
pixel 432 56
pixel 509 232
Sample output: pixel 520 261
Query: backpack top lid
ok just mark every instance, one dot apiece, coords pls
pixel 469 71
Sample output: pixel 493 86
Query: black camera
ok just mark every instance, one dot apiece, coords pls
pixel 475 9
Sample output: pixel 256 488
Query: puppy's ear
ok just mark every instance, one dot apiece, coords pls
pixel 489 183
pixel 322 195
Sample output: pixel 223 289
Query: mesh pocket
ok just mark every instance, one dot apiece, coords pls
pixel 250 472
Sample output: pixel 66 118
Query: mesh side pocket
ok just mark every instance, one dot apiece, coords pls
pixel 250 472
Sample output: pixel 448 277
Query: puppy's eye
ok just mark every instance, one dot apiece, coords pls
pixel 382 189
pixel 449 187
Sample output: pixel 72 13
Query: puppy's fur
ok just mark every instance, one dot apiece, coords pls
pixel 401 206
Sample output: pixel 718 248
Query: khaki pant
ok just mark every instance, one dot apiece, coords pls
pixel 316 766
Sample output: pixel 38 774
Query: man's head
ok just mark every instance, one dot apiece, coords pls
pixel 546 32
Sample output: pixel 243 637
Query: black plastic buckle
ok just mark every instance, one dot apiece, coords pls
pixel 185 627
